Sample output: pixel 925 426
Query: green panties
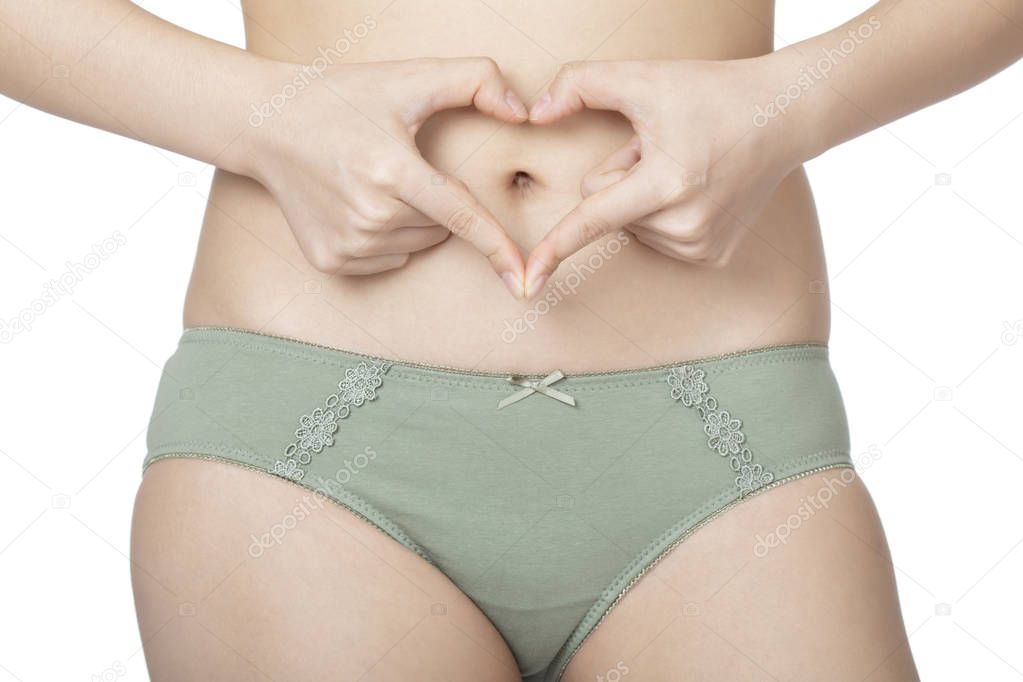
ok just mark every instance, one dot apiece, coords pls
pixel 543 511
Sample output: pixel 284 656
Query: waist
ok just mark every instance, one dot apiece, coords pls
pixel 615 304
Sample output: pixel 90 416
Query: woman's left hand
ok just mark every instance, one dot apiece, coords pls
pixel 700 169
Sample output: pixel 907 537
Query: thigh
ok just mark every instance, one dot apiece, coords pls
pixel 242 576
pixel 793 584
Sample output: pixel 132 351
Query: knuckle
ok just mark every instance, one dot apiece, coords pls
pixel 323 260
pixel 343 252
pixel 719 262
pixel 591 183
pixel 592 228
pixel 696 224
pixel 709 253
pixel 464 222
pixel 704 217
pixel 369 215
pixel 572 71
pixel 687 231
pixel 358 225
pixel 701 232
pixel 486 65
pixel 384 174
pixel 457 183
pixel 349 267
pixel 341 246
pixel 702 252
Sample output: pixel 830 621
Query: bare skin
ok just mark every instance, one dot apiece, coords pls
pixel 335 599
pixel 822 605
pixel 529 176
pixel 330 220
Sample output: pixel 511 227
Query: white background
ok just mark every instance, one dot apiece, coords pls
pixel 924 235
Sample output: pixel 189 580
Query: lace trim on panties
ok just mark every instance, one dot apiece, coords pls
pixel 724 432
pixel 316 430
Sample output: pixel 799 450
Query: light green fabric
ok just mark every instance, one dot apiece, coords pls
pixel 540 512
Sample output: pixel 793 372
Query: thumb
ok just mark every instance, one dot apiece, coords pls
pixel 471 81
pixel 612 169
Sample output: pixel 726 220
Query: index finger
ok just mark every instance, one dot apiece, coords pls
pixel 597 215
pixel 609 85
pixel 450 203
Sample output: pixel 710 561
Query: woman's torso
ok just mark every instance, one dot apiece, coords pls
pixel 607 307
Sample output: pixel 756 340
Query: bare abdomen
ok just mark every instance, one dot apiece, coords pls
pixel 616 304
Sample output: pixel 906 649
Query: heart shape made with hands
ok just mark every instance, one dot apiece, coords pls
pixel 594 217
pixel 590 220
pixel 448 207
pixel 615 196
pixel 358 204
pixel 657 185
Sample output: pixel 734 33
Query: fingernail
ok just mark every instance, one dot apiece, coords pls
pixel 534 285
pixel 513 283
pixel 516 104
pixel 540 106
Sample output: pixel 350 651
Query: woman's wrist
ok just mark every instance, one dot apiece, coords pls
pixel 789 108
pixel 252 121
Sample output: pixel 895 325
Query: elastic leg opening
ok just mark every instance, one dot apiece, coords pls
pixel 643 563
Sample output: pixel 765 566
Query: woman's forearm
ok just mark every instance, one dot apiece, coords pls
pixel 340 158
pixel 896 58
pixel 112 65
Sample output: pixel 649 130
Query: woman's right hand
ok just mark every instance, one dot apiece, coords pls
pixel 341 161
